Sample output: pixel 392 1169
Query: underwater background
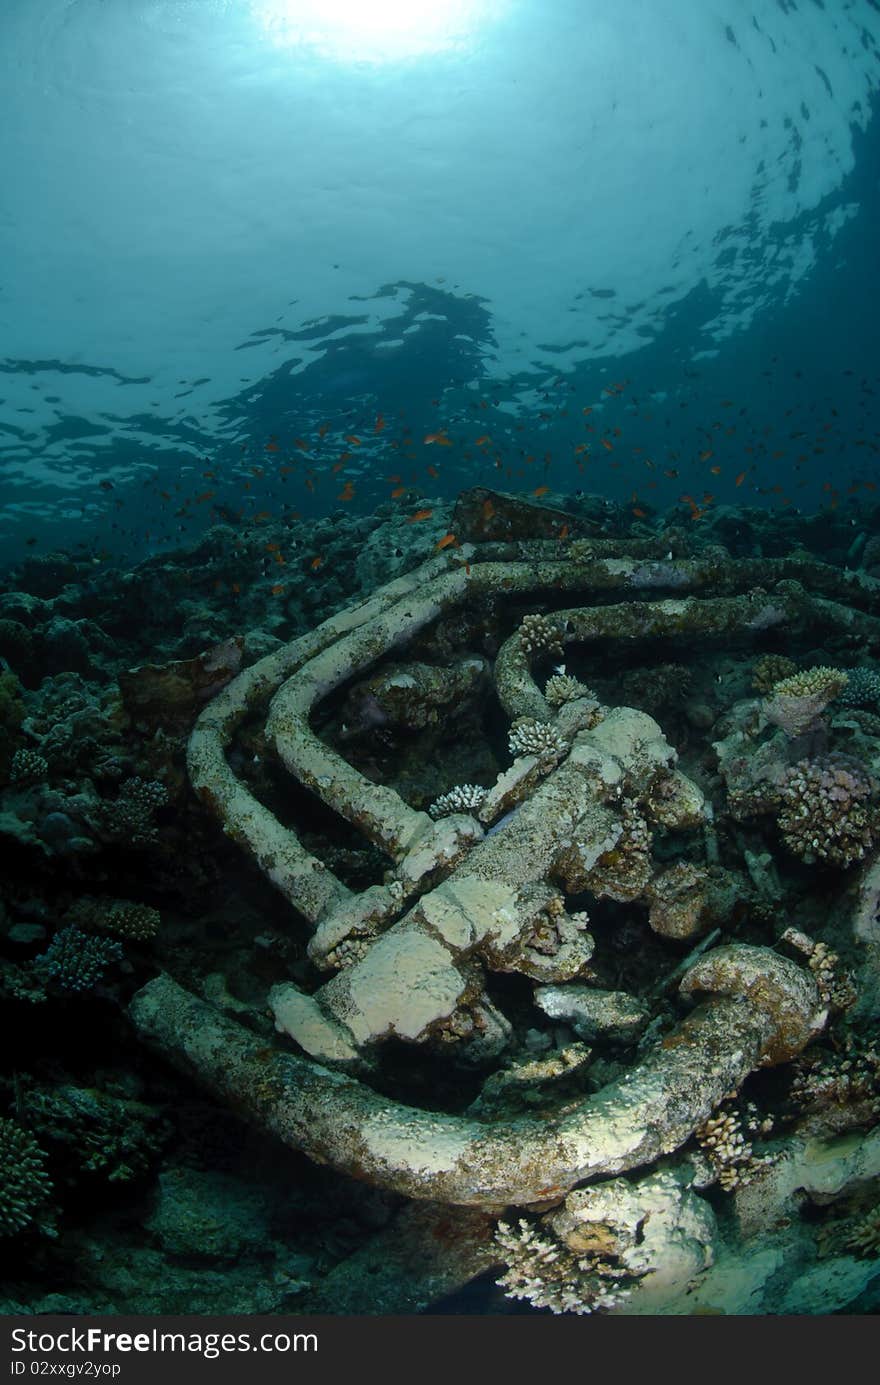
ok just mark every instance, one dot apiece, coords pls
pixel 281 281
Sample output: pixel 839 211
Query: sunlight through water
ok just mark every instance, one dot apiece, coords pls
pixel 382 31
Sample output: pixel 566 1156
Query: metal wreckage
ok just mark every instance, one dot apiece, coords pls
pixel 621 1153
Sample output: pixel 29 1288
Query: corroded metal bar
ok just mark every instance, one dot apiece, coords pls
pixel 766 1010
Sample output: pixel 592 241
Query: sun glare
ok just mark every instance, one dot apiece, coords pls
pixel 374 30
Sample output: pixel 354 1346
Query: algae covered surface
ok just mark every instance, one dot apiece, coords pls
pixel 267 1027
pixel 439 658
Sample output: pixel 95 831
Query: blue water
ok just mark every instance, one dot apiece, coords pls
pixel 235 235
pixel 271 260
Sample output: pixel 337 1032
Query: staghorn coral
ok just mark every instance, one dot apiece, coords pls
pixel 24 1183
pixel 464 798
pixel 826 811
pixel 771 669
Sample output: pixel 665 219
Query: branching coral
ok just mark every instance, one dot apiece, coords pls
pixel 538 738
pixel 543 1271
pixel 771 669
pixel 797 702
pixel 130 819
pixel 864 1238
pixel 27 767
pixel 827 811
pixel 75 961
pixel 99 1134
pixel 540 635
pixel 120 917
pixel 561 688
pixel 464 798
pixel 24 1183
pixel 862 689
pixel 724 1141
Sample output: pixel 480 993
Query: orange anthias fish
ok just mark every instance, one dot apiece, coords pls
pixel 316 563
pixel 482 441
pixel 419 514
pixel 347 492
pixel 606 444
pixel 540 490
pixel 379 424
pixel 440 438
pixel 739 480
pixel 398 492
pixel 446 540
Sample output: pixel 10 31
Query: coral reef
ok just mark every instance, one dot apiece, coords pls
pixel 24 1185
pixel 539 635
pixel 76 961
pixel 120 917
pixel 862 688
pixel 547 1274
pixel 561 688
pixel 130 817
pixel 538 738
pixel 796 703
pixel 27 767
pixel 98 1134
pixel 464 798
pixel 827 810
pixel 771 669
pixel 469 983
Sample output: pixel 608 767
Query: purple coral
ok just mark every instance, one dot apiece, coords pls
pixel 826 812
